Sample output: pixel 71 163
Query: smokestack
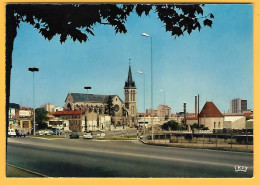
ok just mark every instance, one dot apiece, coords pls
pixel 196 108
pixel 184 110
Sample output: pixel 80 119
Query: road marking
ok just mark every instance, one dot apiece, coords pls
pixel 23 169
pixel 133 155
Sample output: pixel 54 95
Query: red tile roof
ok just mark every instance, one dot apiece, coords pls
pixel 247 114
pixel 68 112
pixel 210 110
pixel 234 114
pixel 191 118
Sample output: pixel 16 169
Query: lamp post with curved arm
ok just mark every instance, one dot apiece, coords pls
pixel 146 35
pixel 33 69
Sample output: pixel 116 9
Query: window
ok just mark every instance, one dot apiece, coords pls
pixel 214 124
pixel 219 125
pixel 25 124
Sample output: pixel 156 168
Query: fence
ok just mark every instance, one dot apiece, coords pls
pixel 228 141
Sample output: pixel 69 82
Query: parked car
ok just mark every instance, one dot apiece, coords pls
pixel 74 135
pixel 20 133
pixel 47 132
pixel 87 135
pixel 41 132
pixel 11 132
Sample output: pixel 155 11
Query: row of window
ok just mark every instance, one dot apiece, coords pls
pixel 130 96
pixel 71 116
pixel 215 125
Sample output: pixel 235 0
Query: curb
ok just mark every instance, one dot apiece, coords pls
pixel 25 170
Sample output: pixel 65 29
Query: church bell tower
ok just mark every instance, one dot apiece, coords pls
pixel 130 99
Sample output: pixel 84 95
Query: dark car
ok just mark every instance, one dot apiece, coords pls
pixel 74 135
pixel 20 133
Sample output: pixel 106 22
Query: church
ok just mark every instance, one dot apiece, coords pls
pixel 124 113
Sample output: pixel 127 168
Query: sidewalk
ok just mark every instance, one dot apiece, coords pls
pixel 236 148
pixel 13 171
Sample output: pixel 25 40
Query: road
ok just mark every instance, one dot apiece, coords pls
pixel 89 158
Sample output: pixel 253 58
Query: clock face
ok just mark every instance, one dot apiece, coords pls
pixel 116 107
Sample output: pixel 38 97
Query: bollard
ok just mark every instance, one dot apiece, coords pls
pixel 246 139
pixel 216 140
pixel 231 139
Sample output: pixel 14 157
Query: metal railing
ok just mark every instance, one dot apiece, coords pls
pixel 238 141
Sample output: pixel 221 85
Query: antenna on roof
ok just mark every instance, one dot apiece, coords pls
pixel 129 61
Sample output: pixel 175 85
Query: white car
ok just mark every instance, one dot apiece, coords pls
pixel 41 132
pixel 47 132
pixel 87 135
pixel 11 132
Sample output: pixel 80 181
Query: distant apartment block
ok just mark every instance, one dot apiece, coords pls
pixel 238 105
pixel 48 107
pixel 164 111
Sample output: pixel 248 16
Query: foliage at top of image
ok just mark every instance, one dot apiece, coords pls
pixel 78 20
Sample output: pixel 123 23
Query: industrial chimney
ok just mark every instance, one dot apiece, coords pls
pixel 196 107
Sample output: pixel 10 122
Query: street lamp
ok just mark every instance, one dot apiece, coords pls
pixel 162 90
pixel 146 35
pixel 140 72
pixel 87 87
pixel 86 126
pixel 33 69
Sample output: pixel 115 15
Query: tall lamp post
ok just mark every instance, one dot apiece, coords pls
pixel 86 125
pixel 140 72
pixel 146 35
pixel 33 69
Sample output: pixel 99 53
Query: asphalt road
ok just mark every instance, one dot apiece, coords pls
pixel 88 158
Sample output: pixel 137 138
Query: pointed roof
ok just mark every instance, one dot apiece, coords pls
pixel 210 110
pixel 129 79
pixel 130 83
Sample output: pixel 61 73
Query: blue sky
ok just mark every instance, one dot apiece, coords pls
pixel 216 62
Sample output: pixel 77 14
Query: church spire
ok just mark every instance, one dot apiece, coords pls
pixel 130 83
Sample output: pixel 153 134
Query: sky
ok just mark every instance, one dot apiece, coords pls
pixel 216 63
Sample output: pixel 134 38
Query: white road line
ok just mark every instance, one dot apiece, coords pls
pixel 23 169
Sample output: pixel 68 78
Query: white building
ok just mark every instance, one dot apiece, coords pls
pixel 239 121
pixel 148 121
pixel 58 109
pixel 238 105
pixel 235 122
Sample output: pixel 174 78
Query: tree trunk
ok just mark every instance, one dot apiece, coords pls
pixel 11 32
